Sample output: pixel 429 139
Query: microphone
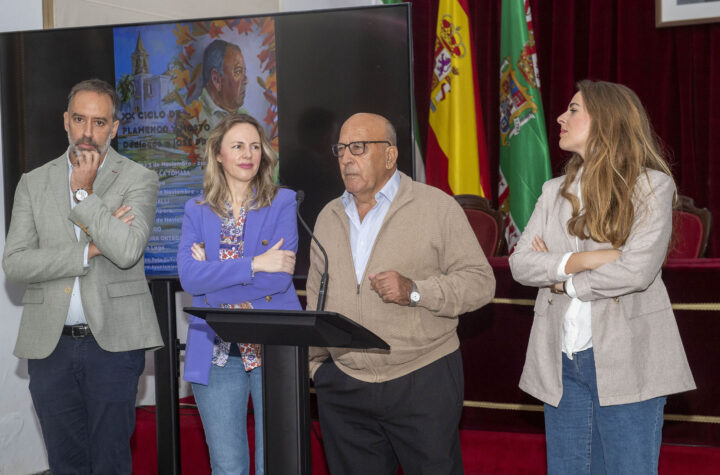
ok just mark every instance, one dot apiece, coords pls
pixel 299 197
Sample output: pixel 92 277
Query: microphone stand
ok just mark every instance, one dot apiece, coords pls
pixel 322 291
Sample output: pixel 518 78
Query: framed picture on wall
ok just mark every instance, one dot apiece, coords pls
pixel 686 12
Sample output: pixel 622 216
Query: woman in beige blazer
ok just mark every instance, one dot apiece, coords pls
pixel 604 347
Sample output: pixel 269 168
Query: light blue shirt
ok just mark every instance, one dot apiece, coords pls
pixel 76 315
pixel 363 233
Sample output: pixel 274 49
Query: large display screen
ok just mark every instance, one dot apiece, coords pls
pixel 300 74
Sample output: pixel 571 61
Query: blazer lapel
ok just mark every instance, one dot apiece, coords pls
pixel 253 225
pixel 211 226
pixel 60 189
pixel 108 173
pixel 563 213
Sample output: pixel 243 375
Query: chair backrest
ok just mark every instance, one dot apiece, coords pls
pixel 691 230
pixel 486 222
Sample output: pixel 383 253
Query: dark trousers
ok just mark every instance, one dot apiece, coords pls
pixel 84 398
pixel 413 420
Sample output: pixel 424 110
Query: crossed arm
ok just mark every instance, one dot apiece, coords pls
pixel 108 230
pixel 601 273
pixel 273 269
pixel 33 254
pixel 579 261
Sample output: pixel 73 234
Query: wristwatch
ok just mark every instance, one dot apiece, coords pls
pixel 80 194
pixel 414 296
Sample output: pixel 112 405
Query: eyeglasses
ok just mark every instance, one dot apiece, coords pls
pixel 356 148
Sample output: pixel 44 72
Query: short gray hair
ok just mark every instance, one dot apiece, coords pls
pixel 97 86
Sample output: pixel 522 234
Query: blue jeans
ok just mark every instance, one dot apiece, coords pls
pixel 584 437
pixel 84 398
pixel 223 410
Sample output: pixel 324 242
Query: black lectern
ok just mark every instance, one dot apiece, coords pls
pixel 286 392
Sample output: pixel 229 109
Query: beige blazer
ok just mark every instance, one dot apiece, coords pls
pixel 636 344
pixel 42 251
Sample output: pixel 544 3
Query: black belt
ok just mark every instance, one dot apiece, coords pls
pixel 77 331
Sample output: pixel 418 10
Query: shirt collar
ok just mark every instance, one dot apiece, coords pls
pixel 387 192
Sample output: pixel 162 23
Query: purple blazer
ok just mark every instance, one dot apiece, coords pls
pixel 214 282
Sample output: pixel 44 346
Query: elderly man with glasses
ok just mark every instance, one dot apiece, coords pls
pixel 404 263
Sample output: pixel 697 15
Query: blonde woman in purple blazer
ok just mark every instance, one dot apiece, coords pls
pixel 237 250
pixel 604 348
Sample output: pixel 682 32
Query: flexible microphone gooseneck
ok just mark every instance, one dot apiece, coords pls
pixel 322 291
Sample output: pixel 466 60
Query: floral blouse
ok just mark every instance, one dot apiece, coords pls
pixel 232 236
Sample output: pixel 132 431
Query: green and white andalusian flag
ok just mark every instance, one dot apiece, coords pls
pixel 524 155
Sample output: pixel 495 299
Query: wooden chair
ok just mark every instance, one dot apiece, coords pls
pixel 691 230
pixel 488 223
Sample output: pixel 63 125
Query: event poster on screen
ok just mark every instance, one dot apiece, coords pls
pixel 170 102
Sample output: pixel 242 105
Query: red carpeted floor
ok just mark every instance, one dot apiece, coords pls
pixel 484 452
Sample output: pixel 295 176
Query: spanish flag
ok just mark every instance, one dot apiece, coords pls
pixel 456 159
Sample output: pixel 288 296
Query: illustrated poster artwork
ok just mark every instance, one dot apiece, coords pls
pixel 176 81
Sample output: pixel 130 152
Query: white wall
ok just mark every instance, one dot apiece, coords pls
pixel 21 447
pixel 20 15
pixel 300 5
pixel 69 13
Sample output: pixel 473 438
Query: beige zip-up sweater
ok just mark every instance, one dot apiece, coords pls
pixel 425 237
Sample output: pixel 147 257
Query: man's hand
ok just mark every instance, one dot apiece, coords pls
pixel 85 167
pixel 93 251
pixel 121 214
pixel 391 287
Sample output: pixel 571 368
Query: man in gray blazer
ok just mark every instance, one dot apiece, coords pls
pixel 79 227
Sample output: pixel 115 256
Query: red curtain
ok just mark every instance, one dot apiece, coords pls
pixel 674 70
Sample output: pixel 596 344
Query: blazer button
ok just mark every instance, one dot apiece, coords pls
pixel 68 290
pixel 264 242
pixel 616 299
pixel 549 301
pixel 268 298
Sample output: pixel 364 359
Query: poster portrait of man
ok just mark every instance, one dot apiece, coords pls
pixel 224 81
pixel 176 81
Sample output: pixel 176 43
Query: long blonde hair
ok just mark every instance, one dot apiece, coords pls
pixel 215 188
pixel 621 146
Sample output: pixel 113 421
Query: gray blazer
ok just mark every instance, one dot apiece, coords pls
pixel 42 251
pixel 636 344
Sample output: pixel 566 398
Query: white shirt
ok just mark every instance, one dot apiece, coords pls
pixel 363 233
pixel 76 315
pixel 577 328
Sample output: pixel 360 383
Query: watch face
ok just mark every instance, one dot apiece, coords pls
pixel 415 296
pixel 81 194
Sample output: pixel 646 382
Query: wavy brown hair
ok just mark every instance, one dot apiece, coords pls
pixel 215 188
pixel 621 146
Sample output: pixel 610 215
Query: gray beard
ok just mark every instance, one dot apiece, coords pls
pixel 101 150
